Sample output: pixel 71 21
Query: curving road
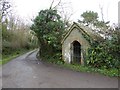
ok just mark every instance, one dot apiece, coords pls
pixel 27 72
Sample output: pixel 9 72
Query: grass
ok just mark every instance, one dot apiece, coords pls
pixel 7 58
pixel 80 68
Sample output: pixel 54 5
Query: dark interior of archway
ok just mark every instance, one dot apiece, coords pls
pixel 76 52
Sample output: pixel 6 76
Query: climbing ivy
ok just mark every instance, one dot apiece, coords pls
pixel 48 28
pixel 105 54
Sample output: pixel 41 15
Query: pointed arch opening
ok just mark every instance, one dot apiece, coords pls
pixel 76 52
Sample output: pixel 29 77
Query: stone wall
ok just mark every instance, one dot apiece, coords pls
pixel 66 46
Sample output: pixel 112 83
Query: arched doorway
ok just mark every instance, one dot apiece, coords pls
pixel 76 52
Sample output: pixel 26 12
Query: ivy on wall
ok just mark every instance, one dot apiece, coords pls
pixel 105 54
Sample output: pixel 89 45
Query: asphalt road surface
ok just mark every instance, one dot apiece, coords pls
pixel 27 72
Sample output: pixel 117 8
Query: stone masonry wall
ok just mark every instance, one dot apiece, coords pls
pixel 74 35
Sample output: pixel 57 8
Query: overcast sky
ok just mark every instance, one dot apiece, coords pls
pixel 27 9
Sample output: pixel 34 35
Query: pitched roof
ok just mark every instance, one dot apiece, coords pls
pixel 86 31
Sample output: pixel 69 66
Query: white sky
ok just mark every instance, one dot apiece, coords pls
pixel 27 9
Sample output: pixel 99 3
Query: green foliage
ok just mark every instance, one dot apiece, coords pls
pixel 15 40
pixel 48 28
pixel 89 17
pixel 8 57
pixel 101 24
pixel 80 68
pixel 16 36
pixel 106 54
pixel 108 72
pixel 55 61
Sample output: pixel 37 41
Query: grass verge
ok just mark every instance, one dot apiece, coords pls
pixel 106 72
pixel 80 68
pixel 7 58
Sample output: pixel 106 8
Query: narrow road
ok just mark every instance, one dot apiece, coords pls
pixel 27 72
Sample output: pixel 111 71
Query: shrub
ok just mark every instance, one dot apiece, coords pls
pixel 105 54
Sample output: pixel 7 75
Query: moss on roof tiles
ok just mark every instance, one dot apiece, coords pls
pixel 86 31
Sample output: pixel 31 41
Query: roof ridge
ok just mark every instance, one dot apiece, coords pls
pixel 86 31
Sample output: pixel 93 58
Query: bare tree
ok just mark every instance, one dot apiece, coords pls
pixel 53 7
pixel 5 8
pixel 65 10
pixel 101 9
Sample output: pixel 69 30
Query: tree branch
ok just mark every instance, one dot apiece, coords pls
pixel 57 4
pixel 51 4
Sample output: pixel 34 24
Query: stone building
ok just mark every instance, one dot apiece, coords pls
pixel 75 43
